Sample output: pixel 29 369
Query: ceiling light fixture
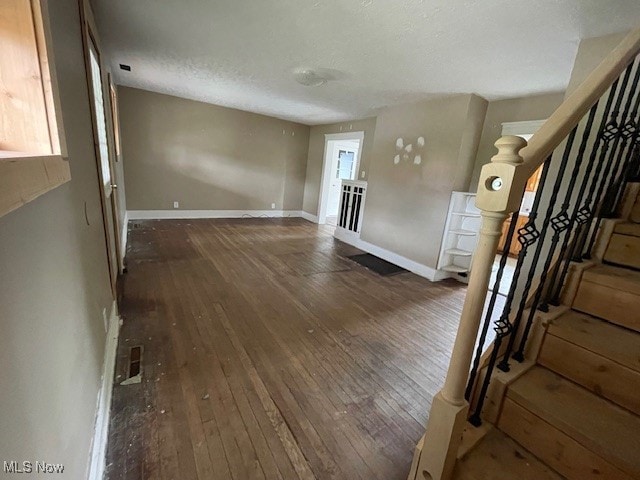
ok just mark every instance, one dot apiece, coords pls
pixel 309 78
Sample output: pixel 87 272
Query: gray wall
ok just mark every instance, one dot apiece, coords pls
pixel 208 157
pixel 54 285
pixel 315 156
pixel 407 204
pixel 537 107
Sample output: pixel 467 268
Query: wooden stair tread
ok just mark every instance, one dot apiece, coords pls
pixel 606 339
pixel 627 228
pixel 614 277
pixel 602 427
pixel 497 457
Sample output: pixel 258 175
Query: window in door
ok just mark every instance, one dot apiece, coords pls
pixel 101 124
pixel 345 165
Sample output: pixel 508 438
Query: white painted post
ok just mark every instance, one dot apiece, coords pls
pixel 499 193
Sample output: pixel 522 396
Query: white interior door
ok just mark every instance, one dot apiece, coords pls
pixel 342 168
pixel 103 148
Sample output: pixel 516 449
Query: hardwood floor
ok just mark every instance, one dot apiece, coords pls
pixel 269 355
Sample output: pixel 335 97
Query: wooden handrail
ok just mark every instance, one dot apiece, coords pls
pixel 506 195
pixel 574 108
pixel 500 190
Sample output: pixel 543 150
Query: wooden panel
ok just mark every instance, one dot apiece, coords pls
pixel 515 246
pixel 623 250
pixel 534 181
pixel 267 355
pixel 557 449
pixel 595 372
pixel 617 344
pixel 610 303
pixel 628 228
pixel 23 112
pixel 49 81
pixel 601 427
pixel 615 277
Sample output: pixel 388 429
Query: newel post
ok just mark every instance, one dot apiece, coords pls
pixel 499 193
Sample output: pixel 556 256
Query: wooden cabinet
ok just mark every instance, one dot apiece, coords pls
pixel 534 180
pixel 515 246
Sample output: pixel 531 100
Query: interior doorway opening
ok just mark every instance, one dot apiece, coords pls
pixel 342 153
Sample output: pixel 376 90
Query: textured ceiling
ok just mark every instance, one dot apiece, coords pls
pixel 241 53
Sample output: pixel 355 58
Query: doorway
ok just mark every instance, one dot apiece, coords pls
pixel 341 162
pixel 103 143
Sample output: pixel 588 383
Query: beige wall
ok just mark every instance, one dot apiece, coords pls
pixel 315 156
pixel 407 204
pixel 537 107
pixel 54 286
pixel 591 52
pixel 208 157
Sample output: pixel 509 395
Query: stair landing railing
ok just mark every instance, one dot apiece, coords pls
pixel 588 148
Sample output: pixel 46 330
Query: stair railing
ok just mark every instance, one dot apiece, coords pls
pixel 589 148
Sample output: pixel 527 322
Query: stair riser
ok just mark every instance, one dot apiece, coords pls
pixel 601 429
pixel 602 376
pixel 614 305
pixel 624 250
pixel 555 448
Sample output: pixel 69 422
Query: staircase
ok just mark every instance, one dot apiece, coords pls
pixel 576 413
pixel 556 394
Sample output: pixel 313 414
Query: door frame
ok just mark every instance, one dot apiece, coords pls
pixel 115 154
pixel 90 41
pixel 325 179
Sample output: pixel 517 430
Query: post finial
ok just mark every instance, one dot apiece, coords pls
pixel 509 147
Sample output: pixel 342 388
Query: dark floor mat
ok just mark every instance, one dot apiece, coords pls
pixel 378 265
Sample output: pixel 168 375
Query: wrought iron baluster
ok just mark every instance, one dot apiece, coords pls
pixel 613 132
pixel 556 223
pixel 527 236
pixel 581 213
pixel 559 224
pixel 631 135
pixel 492 302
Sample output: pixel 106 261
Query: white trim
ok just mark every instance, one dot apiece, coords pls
pixel 103 408
pixel 176 214
pixel 528 127
pixel 325 178
pixel 308 216
pixel 123 236
pixel 418 268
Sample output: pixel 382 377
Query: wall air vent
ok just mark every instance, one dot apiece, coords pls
pixel 126 68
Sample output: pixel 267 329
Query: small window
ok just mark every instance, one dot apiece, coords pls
pixel 31 144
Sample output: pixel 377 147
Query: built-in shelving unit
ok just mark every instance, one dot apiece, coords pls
pixel 460 234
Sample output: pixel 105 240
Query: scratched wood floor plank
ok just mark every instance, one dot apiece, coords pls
pixel 270 355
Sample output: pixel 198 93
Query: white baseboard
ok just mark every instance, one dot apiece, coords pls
pixel 309 216
pixel 178 214
pixel 418 268
pixel 103 408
